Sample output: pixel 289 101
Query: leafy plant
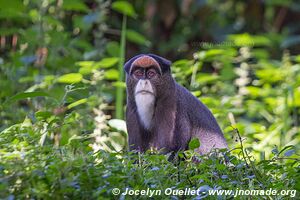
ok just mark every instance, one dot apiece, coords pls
pixel 62 88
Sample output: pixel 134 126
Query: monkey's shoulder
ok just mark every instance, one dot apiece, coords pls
pixel 186 97
pixel 192 105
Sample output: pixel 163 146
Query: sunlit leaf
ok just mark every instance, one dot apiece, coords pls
pixel 85 70
pixel 203 78
pixel 26 123
pixel 214 52
pixel 85 63
pixel 124 7
pixel 275 73
pixel 77 103
pixel 119 84
pixel 297 58
pixel 254 91
pixel 196 93
pixel 249 40
pixel 70 78
pixel 111 74
pixel 297 96
pixel 107 62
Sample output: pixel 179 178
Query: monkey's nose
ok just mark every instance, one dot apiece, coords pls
pixel 143 83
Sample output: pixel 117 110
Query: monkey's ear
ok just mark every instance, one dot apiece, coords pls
pixel 129 63
pixel 164 63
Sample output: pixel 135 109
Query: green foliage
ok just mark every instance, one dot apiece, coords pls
pixel 29 170
pixel 25 95
pixel 62 88
pixel 124 7
pixel 248 98
pixel 194 144
pixel 70 78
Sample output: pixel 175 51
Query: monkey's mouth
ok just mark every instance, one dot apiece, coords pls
pixel 143 92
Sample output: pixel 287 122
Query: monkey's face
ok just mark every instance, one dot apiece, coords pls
pixel 147 75
pixel 148 79
pixel 145 80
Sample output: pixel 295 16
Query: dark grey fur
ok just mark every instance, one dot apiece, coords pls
pixel 178 117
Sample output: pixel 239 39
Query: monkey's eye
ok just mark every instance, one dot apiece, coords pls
pixel 151 73
pixel 138 73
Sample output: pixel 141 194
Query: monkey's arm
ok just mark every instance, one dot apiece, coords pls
pixel 164 125
pixel 133 128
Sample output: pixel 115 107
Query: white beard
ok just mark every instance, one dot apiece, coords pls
pixel 145 102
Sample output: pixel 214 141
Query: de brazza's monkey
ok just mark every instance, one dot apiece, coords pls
pixel 163 115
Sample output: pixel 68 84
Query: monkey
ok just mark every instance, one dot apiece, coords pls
pixel 163 115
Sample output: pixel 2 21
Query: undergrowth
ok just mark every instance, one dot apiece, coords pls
pixel 31 171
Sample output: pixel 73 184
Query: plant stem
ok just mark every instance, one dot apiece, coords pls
pixel 285 119
pixel 120 90
pixel 241 144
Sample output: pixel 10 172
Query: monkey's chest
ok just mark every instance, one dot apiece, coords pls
pixel 145 108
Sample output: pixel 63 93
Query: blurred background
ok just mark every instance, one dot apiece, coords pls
pixel 61 63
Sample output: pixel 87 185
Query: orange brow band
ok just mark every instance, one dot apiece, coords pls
pixel 146 61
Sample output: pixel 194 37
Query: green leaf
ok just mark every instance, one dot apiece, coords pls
pixel 12 9
pixel 227 72
pixel 205 78
pixel 196 93
pixel 85 63
pixel 86 67
pixel 113 49
pixel 85 70
pixel 119 84
pixel 277 74
pixel 26 123
pixel 254 91
pixel 15 5
pixel 214 52
pixel 137 38
pixel 249 40
pixel 297 58
pixel 124 7
pixel 111 74
pixel 40 115
pixel 194 144
pixel 183 63
pixel 25 95
pixel 297 95
pixel 107 62
pixel 77 103
pixel 70 78
pixel 76 5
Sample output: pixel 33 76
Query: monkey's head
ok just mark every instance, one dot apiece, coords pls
pixel 147 76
